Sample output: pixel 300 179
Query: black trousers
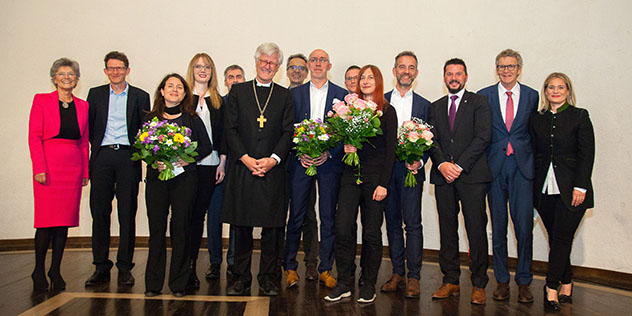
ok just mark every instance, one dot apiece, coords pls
pixel 179 194
pixel 472 198
pixel 269 264
pixel 351 196
pixel 113 174
pixel 561 225
pixel 205 188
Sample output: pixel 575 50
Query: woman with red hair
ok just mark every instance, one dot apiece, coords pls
pixel 376 159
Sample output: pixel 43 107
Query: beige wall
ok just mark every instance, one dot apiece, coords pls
pixel 588 40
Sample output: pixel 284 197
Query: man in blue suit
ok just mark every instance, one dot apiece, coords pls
pixel 311 101
pixel 404 204
pixel 510 160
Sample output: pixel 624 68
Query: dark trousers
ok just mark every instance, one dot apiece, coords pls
pixel 205 188
pixel 214 229
pixel 404 207
pixel 113 174
pixel 310 231
pixel 511 186
pixel 472 198
pixel 268 263
pixel 350 197
pixel 302 185
pixel 561 225
pixel 179 194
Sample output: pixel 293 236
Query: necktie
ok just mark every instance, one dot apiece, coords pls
pixel 509 117
pixel 452 111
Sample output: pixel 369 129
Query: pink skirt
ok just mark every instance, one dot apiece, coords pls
pixel 57 201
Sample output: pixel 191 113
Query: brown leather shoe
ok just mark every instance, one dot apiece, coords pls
pixel 311 273
pixel 412 288
pixel 396 282
pixel 327 279
pixel 446 291
pixel 502 292
pixel 478 295
pixel 291 278
pixel 524 294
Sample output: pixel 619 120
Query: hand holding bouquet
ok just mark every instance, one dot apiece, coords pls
pixel 312 138
pixel 166 142
pixel 354 120
pixel 413 139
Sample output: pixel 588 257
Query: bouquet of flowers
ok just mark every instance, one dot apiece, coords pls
pixel 312 138
pixel 354 121
pixel 163 141
pixel 413 139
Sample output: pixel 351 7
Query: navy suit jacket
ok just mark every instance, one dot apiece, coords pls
pixel 420 110
pixel 518 135
pixel 302 110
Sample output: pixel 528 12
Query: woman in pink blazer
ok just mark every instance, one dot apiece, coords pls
pixel 58 141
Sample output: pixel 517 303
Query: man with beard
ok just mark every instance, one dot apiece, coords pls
pixel 312 101
pixel 404 204
pixel 462 131
pixel 258 126
pixel 296 70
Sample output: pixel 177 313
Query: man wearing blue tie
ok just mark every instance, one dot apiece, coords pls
pixel 404 204
pixel 312 101
pixel 510 160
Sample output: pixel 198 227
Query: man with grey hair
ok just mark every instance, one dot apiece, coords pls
pixel 233 74
pixel 510 160
pixel 296 70
pixel 259 123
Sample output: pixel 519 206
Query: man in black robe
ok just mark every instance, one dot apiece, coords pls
pixel 258 126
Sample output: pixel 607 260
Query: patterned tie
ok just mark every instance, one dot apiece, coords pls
pixel 509 117
pixel 452 111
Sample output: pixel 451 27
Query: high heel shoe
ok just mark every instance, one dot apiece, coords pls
pixel 567 298
pixel 552 305
pixel 39 281
pixel 57 282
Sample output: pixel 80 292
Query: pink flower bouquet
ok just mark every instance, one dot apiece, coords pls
pixel 413 139
pixel 163 141
pixel 312 138
pixel 354 121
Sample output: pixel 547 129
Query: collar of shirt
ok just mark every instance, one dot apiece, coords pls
pixel 403 105
pixel 259 84
pixel 502 98
pixel 323 88
pixel 458 100
pixel 122 93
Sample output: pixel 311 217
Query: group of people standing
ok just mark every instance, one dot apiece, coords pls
pixel 505 143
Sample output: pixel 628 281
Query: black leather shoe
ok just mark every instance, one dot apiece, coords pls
pixel 552 305
pixel 566 298
pixel 151 293
pixel 179 294
pixel 212 272
pixel 125 278
pixel 239 288
pixel 269 289
pixel 98 277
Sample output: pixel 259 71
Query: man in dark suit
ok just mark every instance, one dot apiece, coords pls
pixel 312 101
pixel 510 159
pixel 404 204
pixel 116 114
pixel 258 126
pixel 462 130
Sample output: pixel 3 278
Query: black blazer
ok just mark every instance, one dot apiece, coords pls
pixel 217 123
pixel 99 98
pixel 567 139
pixel 467 144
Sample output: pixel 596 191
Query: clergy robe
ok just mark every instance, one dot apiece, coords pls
pixel 252 200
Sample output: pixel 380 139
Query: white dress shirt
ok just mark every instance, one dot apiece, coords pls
pixel 502 96
pixel 403 105
pixel 317 99
pixel 457 102
pixel 205 114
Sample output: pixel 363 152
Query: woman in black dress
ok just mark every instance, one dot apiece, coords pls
pixel 564 148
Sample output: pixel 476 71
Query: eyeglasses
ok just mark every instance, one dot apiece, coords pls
pixel 65 74
pixel 268 63
pixel 315 60
pixel 200 67
pixel 351 78
pixel 295 67
pixel 510 67
pixel 116 68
